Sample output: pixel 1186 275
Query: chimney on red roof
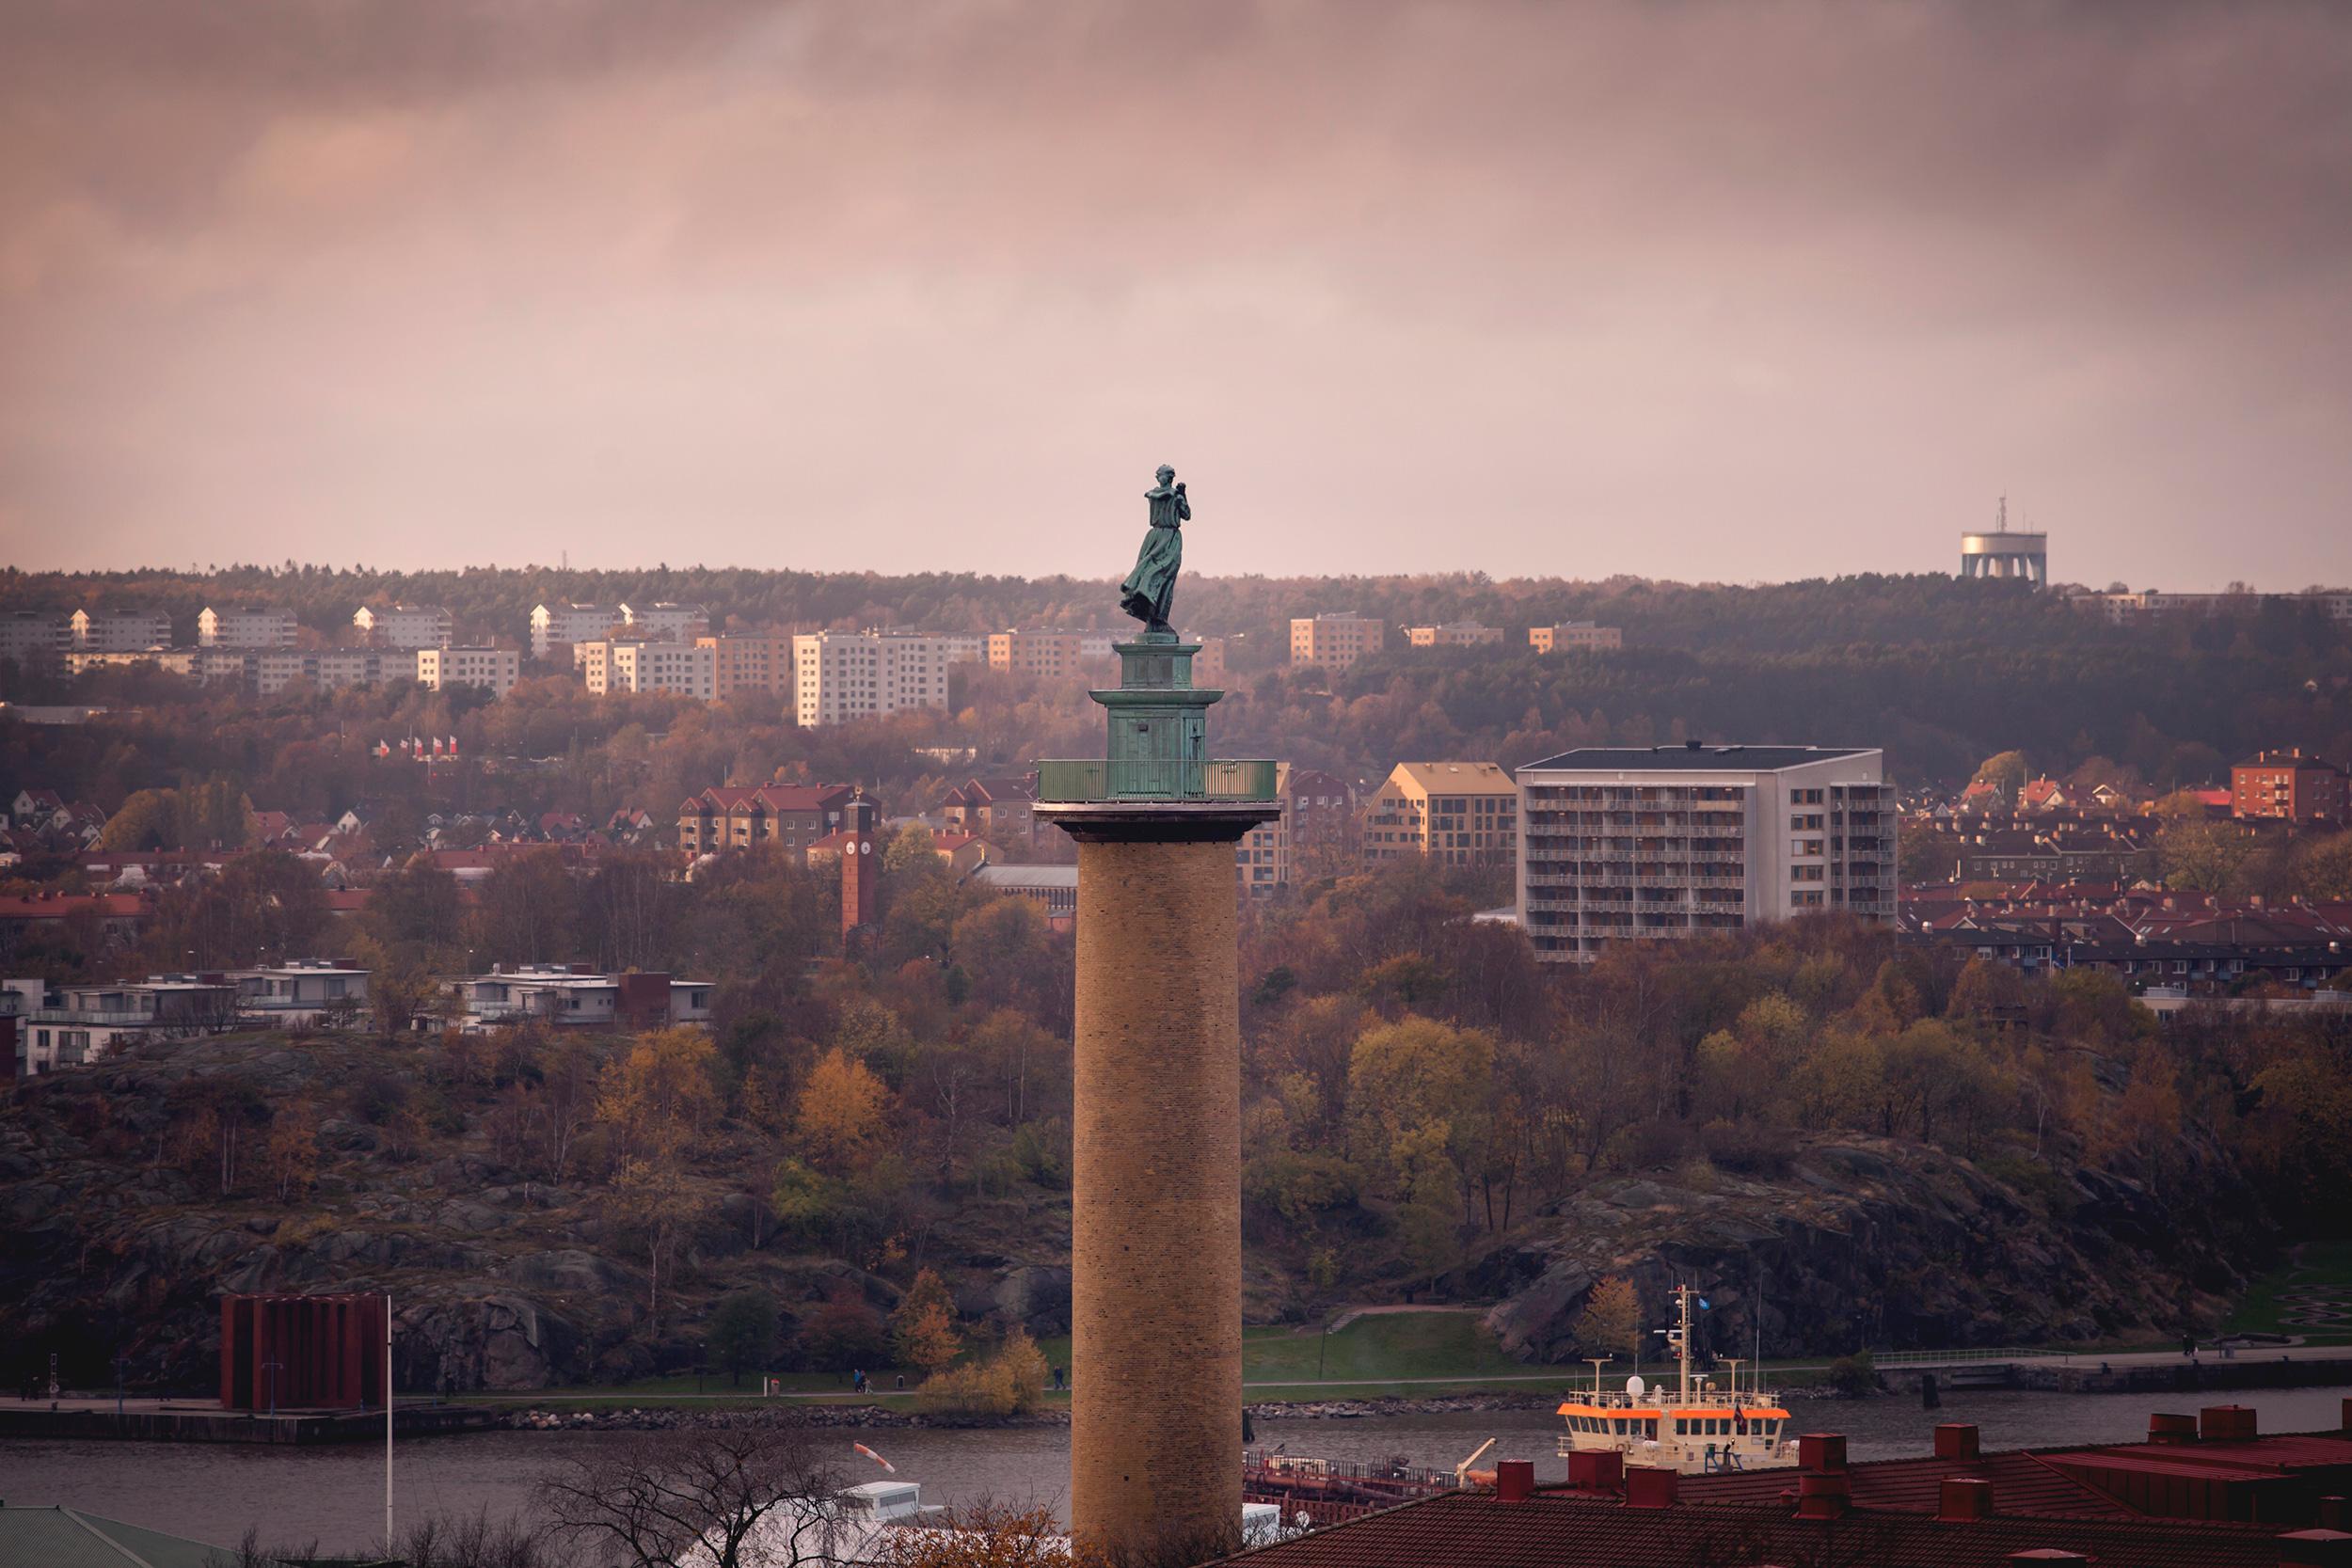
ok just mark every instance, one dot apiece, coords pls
pixel 1602 1469
pixel 2314 1549
pixel 1963 1497
pixel 1957 1440
pixel 2224 1423
pixel 2170 1428
pixel 1515 1481
pixel 1821 1452
pixel 1821 1496
pixel 1647 1486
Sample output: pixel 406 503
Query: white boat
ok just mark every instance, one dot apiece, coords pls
pixel 1695 1427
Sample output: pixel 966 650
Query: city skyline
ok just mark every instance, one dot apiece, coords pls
pixel 1782 290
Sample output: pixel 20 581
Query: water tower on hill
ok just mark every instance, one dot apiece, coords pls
pixel 2003 554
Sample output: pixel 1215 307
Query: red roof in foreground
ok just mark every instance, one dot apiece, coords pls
pixel 2022 1484
pixel 1579 1530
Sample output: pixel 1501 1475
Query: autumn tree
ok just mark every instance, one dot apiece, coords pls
pixel 838 1116
pixel 292 1153
pixel 659 1095
pixel 1610 1324
pixel 923 1329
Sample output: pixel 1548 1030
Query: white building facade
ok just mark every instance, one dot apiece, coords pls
pixel 571 623
pixel 115 630
pixel 1646 843
pixel 845 676
pixel 672 623
pixel 406 625
pixel 633 664
pixel 244 626
pixel 495 670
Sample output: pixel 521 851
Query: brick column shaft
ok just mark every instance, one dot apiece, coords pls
pixel 1156 1297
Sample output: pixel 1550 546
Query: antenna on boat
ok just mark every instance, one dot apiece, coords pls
pixel 1733 1362
pixel 1599 1362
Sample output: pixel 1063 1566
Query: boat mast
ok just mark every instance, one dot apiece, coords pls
pixel 1682 1336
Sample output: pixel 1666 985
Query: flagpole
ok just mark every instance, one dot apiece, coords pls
pixel 388 1423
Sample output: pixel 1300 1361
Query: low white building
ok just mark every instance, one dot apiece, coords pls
pixel 575 996
pixel 64 1026
pixel 305 991
pixel 493 669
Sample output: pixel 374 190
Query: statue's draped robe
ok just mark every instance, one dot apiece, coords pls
pixel 1151 588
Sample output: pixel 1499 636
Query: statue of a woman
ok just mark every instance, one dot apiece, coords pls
pixel 1151 588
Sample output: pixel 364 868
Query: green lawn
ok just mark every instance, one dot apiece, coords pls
pixel 1400 1354
pixel 2325 1266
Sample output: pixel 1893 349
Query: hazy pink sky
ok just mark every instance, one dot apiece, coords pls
pixel 1706 291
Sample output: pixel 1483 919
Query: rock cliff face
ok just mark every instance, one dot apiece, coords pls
pixel 116 1238
pixel 1862 1243
pixel 117 1244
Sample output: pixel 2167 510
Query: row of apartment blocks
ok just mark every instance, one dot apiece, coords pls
pixel 1336 641
pixel 829 677
pixel 266 672
pixel 570 624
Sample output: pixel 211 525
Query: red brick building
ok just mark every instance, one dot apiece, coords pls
pixel 786 816
pixel 2288 785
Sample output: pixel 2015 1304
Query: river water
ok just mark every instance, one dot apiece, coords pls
pixel 335 1496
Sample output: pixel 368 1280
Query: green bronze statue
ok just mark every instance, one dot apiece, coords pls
pixel 1151 588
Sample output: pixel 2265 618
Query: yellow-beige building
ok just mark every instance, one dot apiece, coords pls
pixel 1457 813
pixel 1458 634
pixel 749 661
pixel 1335 642
pixel 1581 636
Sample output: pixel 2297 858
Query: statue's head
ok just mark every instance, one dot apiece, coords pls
pixel 1166 473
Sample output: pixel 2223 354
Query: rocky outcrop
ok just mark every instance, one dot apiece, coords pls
pixel 1864 1242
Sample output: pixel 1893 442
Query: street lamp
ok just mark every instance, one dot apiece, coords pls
pixel 119 1360
pixel 271 1367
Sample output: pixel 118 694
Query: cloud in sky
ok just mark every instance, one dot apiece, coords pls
pixel 1688 289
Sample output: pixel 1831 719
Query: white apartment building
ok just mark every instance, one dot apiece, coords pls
pixel 244 626
pixel 114 629
pixel 571 623
pixel 406 625
pixel 35 639
pixel 267 671
pixel 672 623
pixel 635 664
pixel 495 669
pixel 1651 843
pixel 845 676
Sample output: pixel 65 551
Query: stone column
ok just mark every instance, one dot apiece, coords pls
pixel 1155 1296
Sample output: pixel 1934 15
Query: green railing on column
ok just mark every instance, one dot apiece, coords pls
pixel 1080 780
